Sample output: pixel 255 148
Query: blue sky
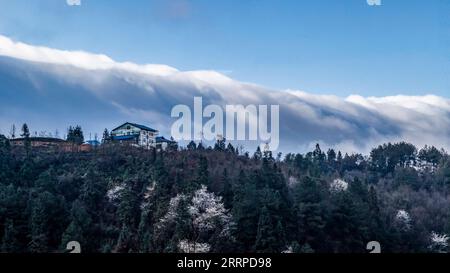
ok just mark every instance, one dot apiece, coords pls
pixel 321 46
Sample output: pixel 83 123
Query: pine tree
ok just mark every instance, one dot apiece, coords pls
pixel 39 231
pixel 268 234
pixel 106 136
pixel 10 243
pixel 93 192
pixel 339 163
pixel 331 155
pixel 25 131
pixel 257 155
pixel 79 227
pixel 376 230
pixel 26 135
pixel 183 225
pixel 346 228
pixel 230 148
pixel 161 178
pixel 245 212
pixel 310 213
pixel 227 191
pixel 75 135
pixel 318 155
pixel 192 146
pixel 331 159
pixel 47 221
pixel 124 242
pixel 202 171
pixel 220 145
pixel 129 206
pixel 145 232
pixel 73 233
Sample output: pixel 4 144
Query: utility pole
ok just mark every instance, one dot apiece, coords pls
pixel 13 131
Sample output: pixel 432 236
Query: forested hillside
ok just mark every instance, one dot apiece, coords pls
pixel 124 199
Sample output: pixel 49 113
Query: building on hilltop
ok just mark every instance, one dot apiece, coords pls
pixel 93 143
pixel 40 142
pixel 50 143
pixel 139 135
pixel 162 143
pixel 128 133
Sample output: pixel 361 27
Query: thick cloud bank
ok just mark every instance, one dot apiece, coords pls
pixel 52 88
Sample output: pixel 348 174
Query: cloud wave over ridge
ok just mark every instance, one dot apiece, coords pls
pixel 45 86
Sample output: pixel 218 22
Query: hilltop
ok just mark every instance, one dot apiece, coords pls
pixel 118 198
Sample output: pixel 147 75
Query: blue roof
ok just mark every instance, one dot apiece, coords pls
pixel 142 127
pixel 93 142
pixel 160 139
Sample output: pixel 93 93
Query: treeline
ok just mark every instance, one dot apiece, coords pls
pixel 219 199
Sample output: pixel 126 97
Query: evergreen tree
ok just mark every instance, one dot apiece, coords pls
pixel 331 155
pixel 227 191
pixel 26 136
pixel 245 212
pixel 39 223
pixel 200 146
pixel 268 233
pixel 430 155
pixel 93 192
pixel 106 136
pixel 124 242
pixel 78 228
pixel 230 148
pixel 75 135
pixel 128 210
pixel 134 200
pixel 192 146
pixel 202 171
pixel 310 213
pixel 25 131
pixel 257 155
pixel 345 228
pixel 318 155
pixel 10 243
pixel 183 225
pixel 220 144
pixel 145 234
pixel 376 230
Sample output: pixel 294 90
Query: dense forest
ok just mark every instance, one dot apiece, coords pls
pixel 124 199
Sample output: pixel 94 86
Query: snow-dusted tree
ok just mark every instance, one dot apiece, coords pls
pixel 404 219
pixel 439 242
pixel 199 223
pixel 113 194
pixel 208 211
pixel 171 214
pixel 210 220
pixel 170 228
pixel 186 246
pixel 338 185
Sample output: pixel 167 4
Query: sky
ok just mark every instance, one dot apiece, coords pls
pixel 321 46
pixel 345 74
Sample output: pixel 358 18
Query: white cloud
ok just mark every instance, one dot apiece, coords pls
pixel 146 93
pixel 79 59
pixel 73 2
pixel 374 2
